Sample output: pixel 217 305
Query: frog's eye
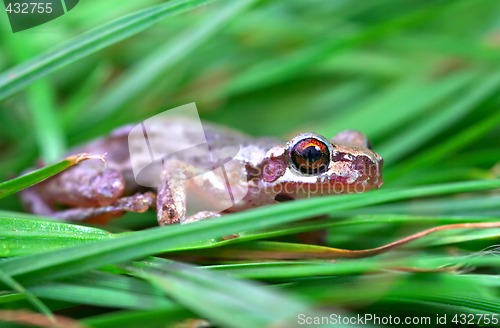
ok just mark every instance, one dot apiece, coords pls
pixel 310 156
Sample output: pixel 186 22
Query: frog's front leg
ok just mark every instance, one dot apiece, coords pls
pixel 171 198
pixel 172 193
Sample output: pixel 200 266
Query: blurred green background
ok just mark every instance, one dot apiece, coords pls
pixel 420 78
pixel 413 75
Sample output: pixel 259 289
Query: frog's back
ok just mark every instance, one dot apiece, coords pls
pixel 204 147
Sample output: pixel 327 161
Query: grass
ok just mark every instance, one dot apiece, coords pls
pixel 422 84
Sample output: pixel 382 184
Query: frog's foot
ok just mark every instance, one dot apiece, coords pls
pixel 200 216
pixel 317 237
pixel 171 196
pixel 137 203
pixel 207 215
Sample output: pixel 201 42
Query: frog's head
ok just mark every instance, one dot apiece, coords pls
pixel 310 165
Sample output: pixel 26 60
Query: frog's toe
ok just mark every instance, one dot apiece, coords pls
pixel 200 216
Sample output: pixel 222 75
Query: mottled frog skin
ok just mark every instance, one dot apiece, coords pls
pixel 262 170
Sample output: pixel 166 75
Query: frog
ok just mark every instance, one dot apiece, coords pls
pixel 262 170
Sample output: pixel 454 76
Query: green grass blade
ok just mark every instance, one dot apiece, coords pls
pixel 20 236
pixel 159 318
pixel 85 44
pixel 72 260
pixel 139 79
pixel 430 126
pixel 273 71
pixel 24 181
pixel 457 236
pixel 106 289
pixel 287 270
pixel 15 286
pixel 78 103
pixel 433 289
pixel 99 296
pixel 420 83
pixel 226 301
pixel 48 130
pixel 415 95
pixel 448 147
